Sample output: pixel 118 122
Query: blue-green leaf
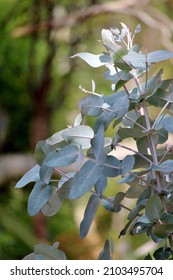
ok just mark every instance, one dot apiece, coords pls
pixel 85 179
pixel 49 252
pixel 158 56
pixel 121 104
pixel 94 60
pixel 107 252
pixel 168 124
pixel 45 173
pixel 38 197
pixel 127 164
pixel 98 145
pixel 91 105
pixel 112 167
pixel 165 167
pixel 31 176
pixel 100 185
pixel 89 215
pixel 63 157
pixel 54 203
pixel 79 136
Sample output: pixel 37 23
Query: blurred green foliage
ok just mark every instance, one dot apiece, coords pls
pixel 25 56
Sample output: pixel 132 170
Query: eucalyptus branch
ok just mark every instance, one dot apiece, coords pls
pixel 136 152
pixel 111 201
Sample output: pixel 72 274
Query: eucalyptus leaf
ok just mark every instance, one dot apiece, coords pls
pixel 100 185
pixel 38 197
pixel 79 135
pixel 94 60
pixel 30 176
pixel 85 179
pixel 168 124
pixel 127 164
pixel 106 253
pixel 98 145
pixel 91 105
pixel 163 230
pixel 89 215
pixel 154 208
pixel 49 252
pixel 63 157
pixel 54 203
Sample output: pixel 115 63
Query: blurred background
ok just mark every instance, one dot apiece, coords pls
pixel 39 92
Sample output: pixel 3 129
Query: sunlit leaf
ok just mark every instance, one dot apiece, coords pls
pixel 49 252
pixel 94 60
pixel 31 176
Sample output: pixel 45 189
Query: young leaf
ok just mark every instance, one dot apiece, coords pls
pixel 63 157
pixel 31 176
pixel 154 208
pixel 94 60
pixel 89 215
pixel 38 197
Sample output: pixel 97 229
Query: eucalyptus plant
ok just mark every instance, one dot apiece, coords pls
pixel 89 155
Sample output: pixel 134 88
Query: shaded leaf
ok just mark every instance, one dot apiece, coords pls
pixel 53 204
pixel 89 215
pixel 117 200
pixel 105 254
pixel 31 176
pixel 163 230
pixel 162 253
pixel 38 197
pixel 154 209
